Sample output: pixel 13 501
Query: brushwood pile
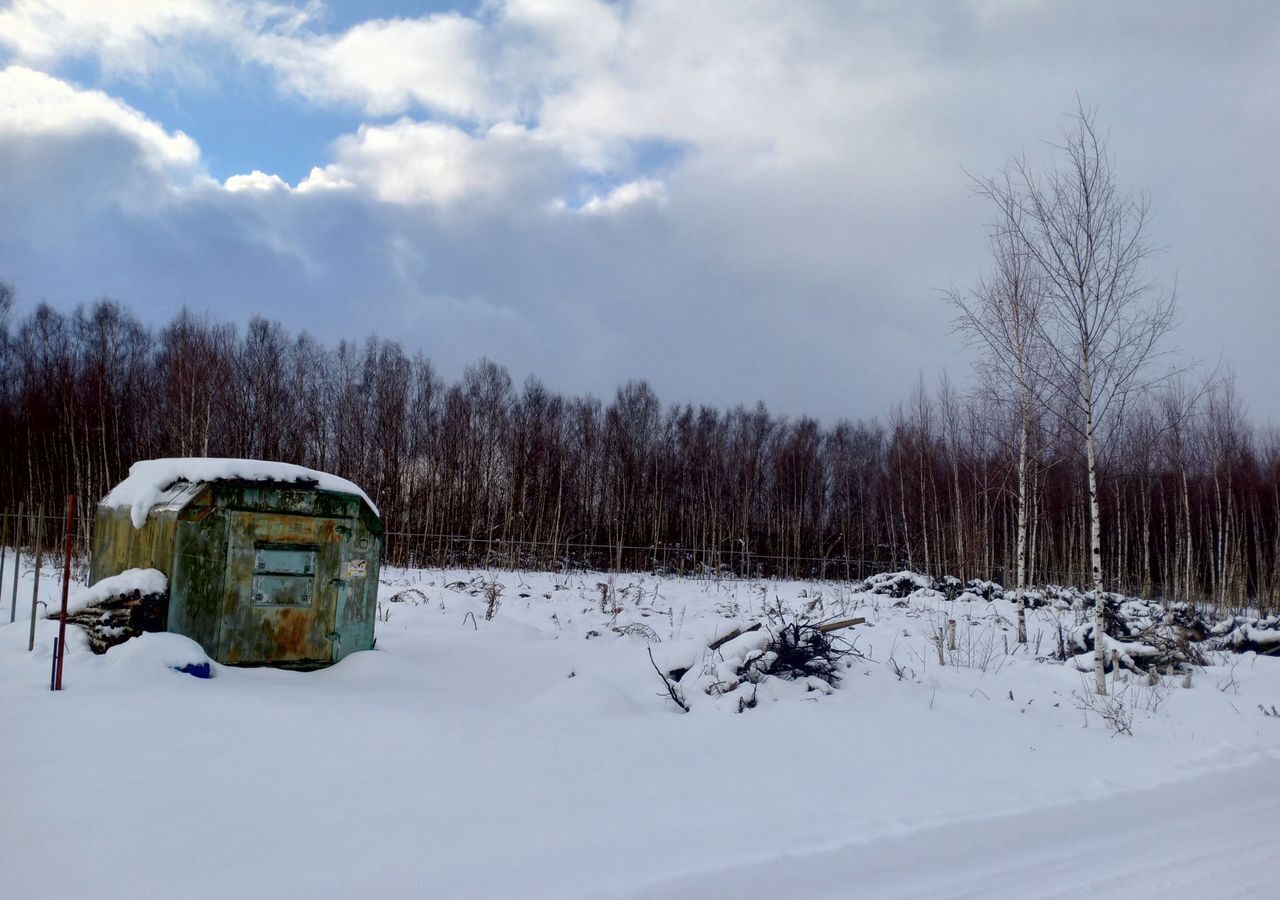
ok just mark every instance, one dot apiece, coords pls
pixel 804 647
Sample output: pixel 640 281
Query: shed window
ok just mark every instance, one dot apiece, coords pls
pixel 284 574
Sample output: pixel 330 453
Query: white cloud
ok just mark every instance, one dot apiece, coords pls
pixel 255 181
pixel 140 37
pixel 410 162
pixel 625 195
pixel 324 179
pixel 817 199
pixel 133 37
pixel 382 66
pixel 741 78
pixel 386 66
pixel 33 103
pixel 588 75
pixel 755 84
pixel 575 35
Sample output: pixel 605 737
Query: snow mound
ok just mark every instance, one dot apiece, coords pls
pixel 144 581
pixel 586 696
pixel 897 584
pixel 150 478
pixel 1243 634
pixel 682 655
pixel 158 650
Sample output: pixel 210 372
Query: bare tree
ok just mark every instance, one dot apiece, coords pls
pixel 6 308
pixel 468 469
pixel 1102 322
pixel 1003 315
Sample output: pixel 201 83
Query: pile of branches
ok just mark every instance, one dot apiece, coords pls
pixel 1144 636
pixel 973 589
pixel 897 585
pixel 785 654
pixel 119 618
pixel 1147 636
pixel 1242 634
pixel 798 650
pixel 905 584
pixel 977 589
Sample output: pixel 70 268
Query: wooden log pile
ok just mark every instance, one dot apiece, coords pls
pixel 116 619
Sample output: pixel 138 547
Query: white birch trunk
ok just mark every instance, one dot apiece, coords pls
pixel 1022 533
pixel 1095 541
pixel 1022 494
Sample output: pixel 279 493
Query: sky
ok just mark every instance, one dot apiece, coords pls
pixel 736 201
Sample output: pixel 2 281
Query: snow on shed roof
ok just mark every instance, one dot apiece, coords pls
pixel 149 480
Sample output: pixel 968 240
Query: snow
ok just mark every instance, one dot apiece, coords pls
pixel 149 479
pixel 583 695
pixel 1259 636
pixel 536 755
pixel 145 581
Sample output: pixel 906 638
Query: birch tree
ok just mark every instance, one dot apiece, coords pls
pixel 1102 321
pixel 1002 314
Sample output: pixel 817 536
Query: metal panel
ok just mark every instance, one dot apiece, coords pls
pixel 117 545
pixel 199 571
pixel 282 617
pixel 282 590
pixel 284 559
pixel 357 608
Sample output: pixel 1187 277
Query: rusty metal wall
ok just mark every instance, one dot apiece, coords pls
pixel 199 570
pixel 212 550
pixel 117 545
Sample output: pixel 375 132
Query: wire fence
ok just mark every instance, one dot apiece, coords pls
pixel 39 533
pixel 433 549
pixel 437 550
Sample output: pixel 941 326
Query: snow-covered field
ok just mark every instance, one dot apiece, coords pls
pixel 536 755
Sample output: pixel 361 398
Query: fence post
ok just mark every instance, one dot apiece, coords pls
pixel 35 589
pixel 17 568
pixel 66 588
pixel 4 545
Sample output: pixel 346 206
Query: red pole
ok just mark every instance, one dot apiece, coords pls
pixel 66 586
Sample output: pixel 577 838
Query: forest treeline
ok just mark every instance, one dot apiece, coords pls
pixel 484 471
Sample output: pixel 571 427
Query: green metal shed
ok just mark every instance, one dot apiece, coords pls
pixel 268 563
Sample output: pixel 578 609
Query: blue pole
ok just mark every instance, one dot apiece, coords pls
pixel 53 671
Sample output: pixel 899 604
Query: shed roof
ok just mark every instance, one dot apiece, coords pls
pixel 154 481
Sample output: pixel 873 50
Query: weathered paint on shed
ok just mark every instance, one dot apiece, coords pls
pixel 260 573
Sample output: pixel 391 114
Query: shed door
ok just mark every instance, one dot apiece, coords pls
pixel 281 589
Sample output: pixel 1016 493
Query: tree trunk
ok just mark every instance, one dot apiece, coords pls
pixel 1095 542
pixel 1022 530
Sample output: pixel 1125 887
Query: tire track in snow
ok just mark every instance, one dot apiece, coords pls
pixel 1214 834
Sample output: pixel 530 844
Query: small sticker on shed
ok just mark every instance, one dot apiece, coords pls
pixel 357 568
